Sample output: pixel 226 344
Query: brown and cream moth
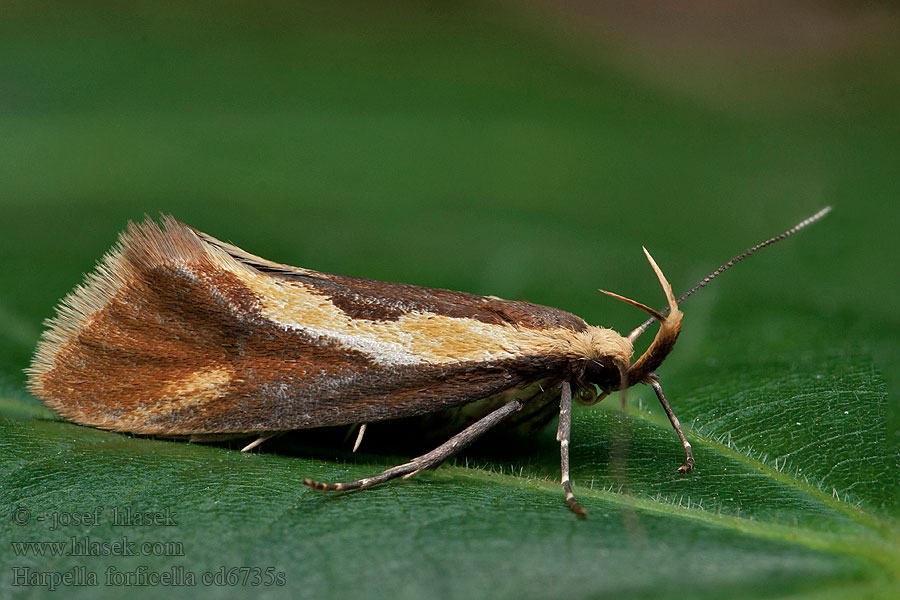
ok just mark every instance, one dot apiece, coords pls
pixel 178 334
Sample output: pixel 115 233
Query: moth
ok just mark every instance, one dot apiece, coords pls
pixel 178 334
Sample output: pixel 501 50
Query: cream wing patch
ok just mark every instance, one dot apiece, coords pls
pixel 417 337
pixel 414 338
pixel 195 391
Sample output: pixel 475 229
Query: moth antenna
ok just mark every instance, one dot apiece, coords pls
pixel 702 283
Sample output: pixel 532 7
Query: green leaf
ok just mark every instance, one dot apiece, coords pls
pixel 794 492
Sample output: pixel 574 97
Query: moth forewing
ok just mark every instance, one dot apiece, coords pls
pixel 178 334
pixel 175 335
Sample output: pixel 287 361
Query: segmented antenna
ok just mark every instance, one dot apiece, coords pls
pixel 639 330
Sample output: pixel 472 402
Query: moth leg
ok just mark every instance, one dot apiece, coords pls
pixel 562 436
pixel 262 438
pixel 359 437
pixel 689 464
pixel 429 460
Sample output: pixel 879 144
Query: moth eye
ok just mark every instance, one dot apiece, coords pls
pixel 588 395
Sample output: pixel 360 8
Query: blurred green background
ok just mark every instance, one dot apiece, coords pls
pixel 517 149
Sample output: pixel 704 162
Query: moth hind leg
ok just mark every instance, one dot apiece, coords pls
pixel 429 460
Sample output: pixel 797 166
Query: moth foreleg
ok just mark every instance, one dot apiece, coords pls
pixel 562 436
pixel 429 460
pixel 689 464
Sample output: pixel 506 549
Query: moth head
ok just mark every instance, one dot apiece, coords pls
pixel 617 374
pixel 605 373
